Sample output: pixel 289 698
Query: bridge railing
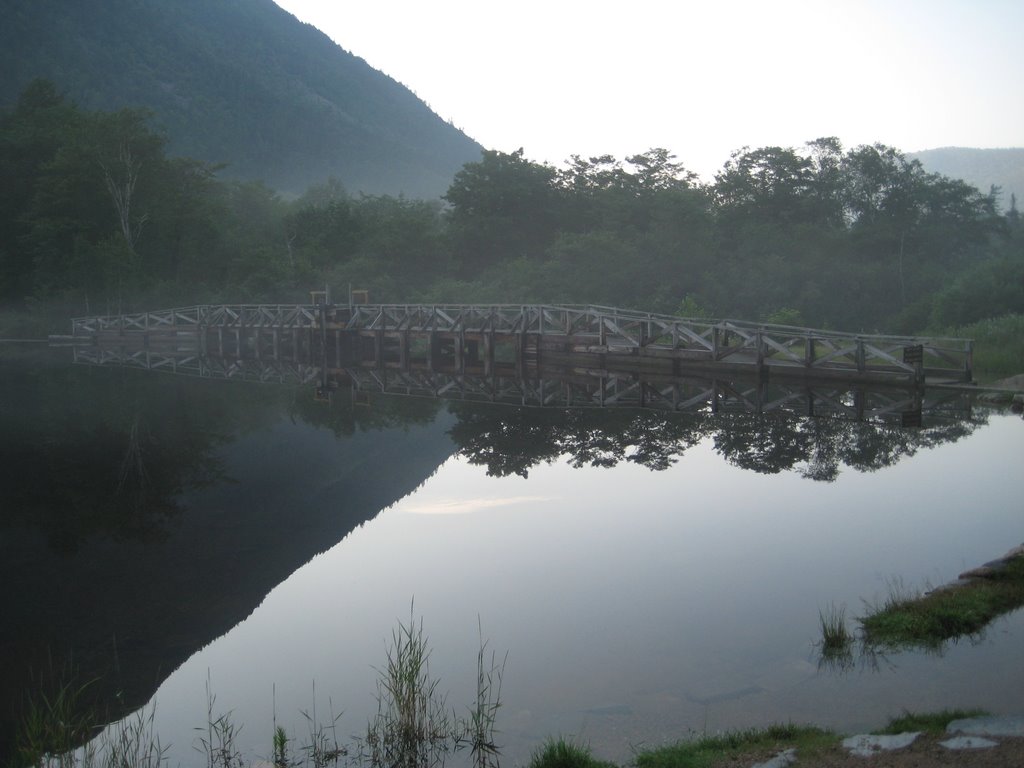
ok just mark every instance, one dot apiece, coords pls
pixel 595 327
pixel 201 316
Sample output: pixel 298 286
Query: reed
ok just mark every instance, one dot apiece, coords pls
pixel 217 740
pixel 483 714
pixel 55 723
pixel 413 727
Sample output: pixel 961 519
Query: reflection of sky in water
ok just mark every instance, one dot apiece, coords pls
pixel 661 602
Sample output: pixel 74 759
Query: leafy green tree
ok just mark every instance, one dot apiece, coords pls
pixel 920 224
pixel 501 207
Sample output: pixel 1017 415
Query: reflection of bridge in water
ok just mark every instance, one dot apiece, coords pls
pixel 539 356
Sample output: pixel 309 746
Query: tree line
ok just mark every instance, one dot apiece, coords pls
pixel 94 213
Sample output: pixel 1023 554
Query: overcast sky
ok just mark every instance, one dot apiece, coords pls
pixel 702 79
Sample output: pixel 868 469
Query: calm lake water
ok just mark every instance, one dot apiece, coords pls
pixel 650 575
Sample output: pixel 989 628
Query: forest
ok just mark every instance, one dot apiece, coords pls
pixel 97 217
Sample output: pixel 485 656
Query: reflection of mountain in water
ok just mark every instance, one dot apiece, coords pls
pixel 223 497
pixel 144 516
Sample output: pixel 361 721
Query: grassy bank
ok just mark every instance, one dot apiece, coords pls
pixel 913 619
pixel 928 620
pixel 743 748
pixel 998 346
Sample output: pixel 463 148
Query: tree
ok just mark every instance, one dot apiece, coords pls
pixel 923 222
pixel 30 137
pixel 771 183
pixel 501 207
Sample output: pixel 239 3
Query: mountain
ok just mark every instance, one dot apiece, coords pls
pixel 979 167
pixel 240 82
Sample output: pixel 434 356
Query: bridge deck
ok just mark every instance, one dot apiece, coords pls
pixel 384 334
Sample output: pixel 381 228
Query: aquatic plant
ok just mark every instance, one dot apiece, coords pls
pixel 218 739
pixel 281 741
pixel 836 644
pixel 483 714
pixel 51 738
pixel 55 723
pixel 412 727
pixel 321 747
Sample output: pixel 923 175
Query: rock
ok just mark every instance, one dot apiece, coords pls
pixel 1017 551
pixel 781 760
pixel 981 572
pixel 993 725
pixel 969 742
pixel 866 745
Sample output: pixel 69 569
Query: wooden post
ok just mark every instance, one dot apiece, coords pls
pixel 809 352
pixel 861 357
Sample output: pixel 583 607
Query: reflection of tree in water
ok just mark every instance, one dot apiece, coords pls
pixel 513 440
pixel 867 446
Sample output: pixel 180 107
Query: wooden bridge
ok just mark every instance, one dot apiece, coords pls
pixel 490 339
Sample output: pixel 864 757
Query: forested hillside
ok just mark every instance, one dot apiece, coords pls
pixel 238 82
pixel 97 216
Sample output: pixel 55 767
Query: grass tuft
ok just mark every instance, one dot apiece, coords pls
pixel 928 722
pixel 560 753
pixel 998 345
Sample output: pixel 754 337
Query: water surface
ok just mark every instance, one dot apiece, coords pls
pixel 650 575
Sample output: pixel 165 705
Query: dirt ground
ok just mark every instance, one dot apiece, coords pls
pixel 925 752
